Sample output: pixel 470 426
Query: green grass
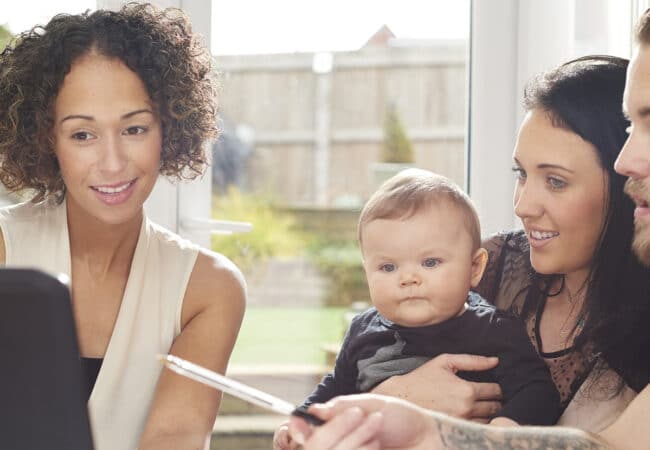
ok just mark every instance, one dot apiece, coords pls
pixel 283 335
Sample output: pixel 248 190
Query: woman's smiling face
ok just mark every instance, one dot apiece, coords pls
pixel 108 139
pixel 560 196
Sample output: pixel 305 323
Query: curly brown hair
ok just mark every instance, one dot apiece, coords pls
pixel 158 45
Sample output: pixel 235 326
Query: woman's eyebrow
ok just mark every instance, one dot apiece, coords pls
pixel 77 116
pixel 546 166
pixel 122 117
pixel 137 111
pixel 553 166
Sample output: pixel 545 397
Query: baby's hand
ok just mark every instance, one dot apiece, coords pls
pixel 282 439
pixel 503 422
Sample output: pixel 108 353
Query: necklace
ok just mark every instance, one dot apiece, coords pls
pixel 571 297
pixel 580 319
pixel 571 300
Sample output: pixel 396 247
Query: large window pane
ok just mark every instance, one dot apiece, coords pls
pixel 309 93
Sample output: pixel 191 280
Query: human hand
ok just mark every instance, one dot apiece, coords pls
pixel 503 422
pixel 435 386
pixel 282 439
pixel 367 422
pixel 374 422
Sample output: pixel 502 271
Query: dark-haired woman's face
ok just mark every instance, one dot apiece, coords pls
pixel 107 139
pixel 560 196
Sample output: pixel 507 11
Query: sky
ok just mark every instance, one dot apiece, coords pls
pixel 264 26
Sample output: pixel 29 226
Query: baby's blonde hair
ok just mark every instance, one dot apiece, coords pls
pixel 411 190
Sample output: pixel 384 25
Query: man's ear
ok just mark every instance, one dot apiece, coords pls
pixel 479 262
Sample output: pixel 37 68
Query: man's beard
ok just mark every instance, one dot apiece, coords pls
pixel 641 241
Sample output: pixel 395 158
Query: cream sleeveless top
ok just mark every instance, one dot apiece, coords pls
pixel 148 320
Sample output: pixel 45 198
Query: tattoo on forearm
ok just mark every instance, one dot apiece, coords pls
pixel 459 435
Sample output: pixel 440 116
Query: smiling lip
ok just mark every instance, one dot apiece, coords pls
pixel 642 210
pixel 538 239
pixel 116 193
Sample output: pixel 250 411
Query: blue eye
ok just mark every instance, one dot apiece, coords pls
pixel 387 267
pixel 556 183
pixel 430 262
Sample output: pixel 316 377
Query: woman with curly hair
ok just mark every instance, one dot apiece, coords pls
pixel 92 108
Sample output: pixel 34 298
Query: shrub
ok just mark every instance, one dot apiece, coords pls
pixel 274 233
pixel 5 37
pixel 341 263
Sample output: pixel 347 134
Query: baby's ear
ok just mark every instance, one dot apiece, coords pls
pixel 479 262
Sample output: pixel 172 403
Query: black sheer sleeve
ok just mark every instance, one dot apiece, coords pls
pixel 488 288
pixel 507 276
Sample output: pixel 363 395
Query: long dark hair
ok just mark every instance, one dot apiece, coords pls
pixel 585 96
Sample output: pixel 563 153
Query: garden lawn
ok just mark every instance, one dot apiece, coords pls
pixel 284 335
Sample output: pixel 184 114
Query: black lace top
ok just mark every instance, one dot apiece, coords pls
pixel 507 283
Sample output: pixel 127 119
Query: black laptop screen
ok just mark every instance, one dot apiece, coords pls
pixel 41 396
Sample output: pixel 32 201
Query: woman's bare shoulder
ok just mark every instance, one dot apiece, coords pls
pixel 215 282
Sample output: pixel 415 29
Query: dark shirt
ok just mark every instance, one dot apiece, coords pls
pixel 375 349
pixel 89 370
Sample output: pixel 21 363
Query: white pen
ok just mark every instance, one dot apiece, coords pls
pixel 232 387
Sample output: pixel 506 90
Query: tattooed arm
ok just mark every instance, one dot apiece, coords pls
pixel 370 421
pixel 455 434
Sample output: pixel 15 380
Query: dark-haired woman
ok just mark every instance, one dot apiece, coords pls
pixel 570 273
pixel 93 107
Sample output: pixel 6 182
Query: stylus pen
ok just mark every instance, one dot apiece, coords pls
pixel 232 387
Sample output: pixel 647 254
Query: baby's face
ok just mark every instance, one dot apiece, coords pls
pixel 420 269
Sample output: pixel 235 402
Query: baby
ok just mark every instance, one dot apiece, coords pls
pixel 420 241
